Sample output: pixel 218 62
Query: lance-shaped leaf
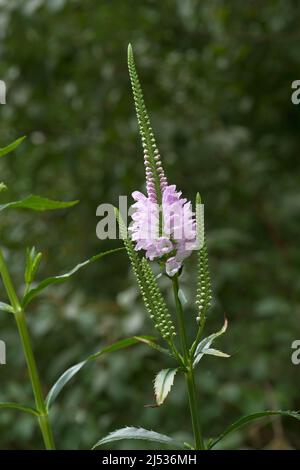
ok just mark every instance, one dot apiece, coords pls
pixel 6 307
pixel 163 383
pixel 9 148
pixel 33 260
pixel 63 277
pixel 155 346
pixel 69 373
pixel 205 344
pixel 252 417
pixel 16 406
pixel 37 203
pixel 138 434
pixel 216 352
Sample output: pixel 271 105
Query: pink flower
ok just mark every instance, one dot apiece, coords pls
pixel 178 227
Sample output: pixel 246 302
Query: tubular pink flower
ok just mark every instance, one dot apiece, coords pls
pixel 178 235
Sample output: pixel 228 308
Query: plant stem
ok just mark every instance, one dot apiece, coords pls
pixel 43 418
pixel 189 374
pixel 180 319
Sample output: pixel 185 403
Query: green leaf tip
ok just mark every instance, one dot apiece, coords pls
pixel 198 199
pixel 9 148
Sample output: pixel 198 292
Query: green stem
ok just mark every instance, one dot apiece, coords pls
pixel 180 319
pixel 43 418
pixel 189 373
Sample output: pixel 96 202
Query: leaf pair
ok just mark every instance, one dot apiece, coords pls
pixel 203 346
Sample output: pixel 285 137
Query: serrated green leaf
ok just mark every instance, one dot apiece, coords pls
pixel 9 148
pixel 16 406
pixel 6 307
pixel 37 203
pixel 247 419
pixel 32 293
pixel 163 383
pixel 205 344
pixel 69 373
pixel 138 434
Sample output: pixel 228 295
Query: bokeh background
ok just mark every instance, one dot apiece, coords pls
pixel 217 80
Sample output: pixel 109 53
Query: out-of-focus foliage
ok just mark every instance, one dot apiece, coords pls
pixel 217 79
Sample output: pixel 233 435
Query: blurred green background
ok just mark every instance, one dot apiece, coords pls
pixel 217 80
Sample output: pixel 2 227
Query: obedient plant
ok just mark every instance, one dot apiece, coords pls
pixel 165 231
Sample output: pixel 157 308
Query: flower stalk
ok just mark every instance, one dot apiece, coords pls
pixel 189 372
